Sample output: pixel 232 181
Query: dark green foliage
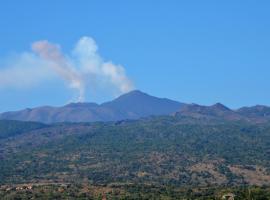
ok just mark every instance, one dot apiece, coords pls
pixel 10 128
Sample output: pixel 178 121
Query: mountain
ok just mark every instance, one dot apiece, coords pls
pixel 216 111
pixel 135 105
pixel 258 112
pixel 138 104
pixel 132 105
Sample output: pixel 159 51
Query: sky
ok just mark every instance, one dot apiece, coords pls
pixel 56 52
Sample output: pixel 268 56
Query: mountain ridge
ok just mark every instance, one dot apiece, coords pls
pixel 132 105
pixel 135 105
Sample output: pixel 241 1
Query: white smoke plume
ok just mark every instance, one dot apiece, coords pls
pixel 92 64
pixel 60 65
pixel 82 70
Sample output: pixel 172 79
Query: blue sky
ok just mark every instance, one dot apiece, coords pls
pixel 190 51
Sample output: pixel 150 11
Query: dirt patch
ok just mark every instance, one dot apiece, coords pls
pixel 252 175
pixel 209 173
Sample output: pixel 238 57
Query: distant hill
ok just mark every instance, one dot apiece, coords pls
pixel 220 112
pixel 258 112
pixel 132 105
pixel 216 111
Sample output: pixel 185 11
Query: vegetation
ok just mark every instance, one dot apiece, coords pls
pixel 168 157
pixel 130 192
pixel 10 128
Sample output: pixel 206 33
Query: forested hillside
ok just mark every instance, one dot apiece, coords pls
pixel 159 152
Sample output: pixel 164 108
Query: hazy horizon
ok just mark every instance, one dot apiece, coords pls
pixel 106 101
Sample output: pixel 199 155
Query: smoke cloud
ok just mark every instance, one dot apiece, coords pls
pixel 60 65
pixel 82 70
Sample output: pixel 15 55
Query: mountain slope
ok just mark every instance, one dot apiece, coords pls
pixel 161 150
pixel 9 128
pixel 132 105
